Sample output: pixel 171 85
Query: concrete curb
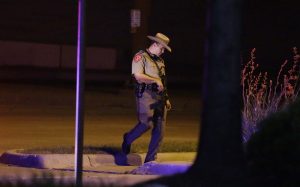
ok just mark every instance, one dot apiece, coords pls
pixel 59 161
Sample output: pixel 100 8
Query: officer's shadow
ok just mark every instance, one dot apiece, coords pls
pixel 120 158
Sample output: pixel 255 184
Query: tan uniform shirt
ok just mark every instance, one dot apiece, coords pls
pixel 143 63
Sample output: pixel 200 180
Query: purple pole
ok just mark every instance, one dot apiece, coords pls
pixel 80 93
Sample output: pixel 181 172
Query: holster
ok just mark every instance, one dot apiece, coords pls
pixel 139 89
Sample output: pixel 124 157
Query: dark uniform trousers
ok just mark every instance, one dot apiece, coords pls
pixel 151 112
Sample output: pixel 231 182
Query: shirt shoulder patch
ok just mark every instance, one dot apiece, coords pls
pixel 137 58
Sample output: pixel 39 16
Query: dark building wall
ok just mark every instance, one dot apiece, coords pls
pixel 38 21
pixel 55 21
pixel 108 25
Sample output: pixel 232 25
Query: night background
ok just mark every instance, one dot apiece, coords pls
pixel 272 27
pixel 38 42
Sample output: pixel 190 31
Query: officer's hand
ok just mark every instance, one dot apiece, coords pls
pixel 160 86
pixel 168 105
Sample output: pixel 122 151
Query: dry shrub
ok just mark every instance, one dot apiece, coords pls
pixel 261 96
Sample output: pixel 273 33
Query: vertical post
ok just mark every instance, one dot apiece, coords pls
pixel 80 93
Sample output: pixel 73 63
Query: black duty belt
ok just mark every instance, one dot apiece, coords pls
pixel 141 87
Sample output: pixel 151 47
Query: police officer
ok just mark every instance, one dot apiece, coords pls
pixel 152 102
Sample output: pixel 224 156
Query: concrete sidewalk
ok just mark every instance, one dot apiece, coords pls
pixel 97 169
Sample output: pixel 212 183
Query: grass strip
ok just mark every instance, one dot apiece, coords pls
pixel 169 146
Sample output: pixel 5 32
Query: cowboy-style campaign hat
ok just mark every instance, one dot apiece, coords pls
pixel 162 39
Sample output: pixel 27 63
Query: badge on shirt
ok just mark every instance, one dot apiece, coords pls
pixel 137 58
